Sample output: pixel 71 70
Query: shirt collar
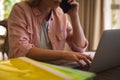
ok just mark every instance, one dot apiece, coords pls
pixel 37 12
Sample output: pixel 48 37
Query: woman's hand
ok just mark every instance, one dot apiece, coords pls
pixel 75 56
pixel 75 7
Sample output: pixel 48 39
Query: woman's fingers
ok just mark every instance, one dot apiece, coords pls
pixel 73 56
pixel 77 60
pixel 71 1
pixel 88 57
pixel 86 61
pixel 85 58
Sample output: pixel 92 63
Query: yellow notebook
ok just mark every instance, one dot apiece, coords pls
pixel 24 68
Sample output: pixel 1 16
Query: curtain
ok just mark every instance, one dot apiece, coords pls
pixel 92 21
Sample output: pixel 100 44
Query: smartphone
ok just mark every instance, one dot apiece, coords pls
pixel 65 6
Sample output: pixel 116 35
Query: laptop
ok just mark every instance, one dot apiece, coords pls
pixel 107 54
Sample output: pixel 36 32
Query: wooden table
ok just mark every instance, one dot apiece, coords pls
pixel 111 74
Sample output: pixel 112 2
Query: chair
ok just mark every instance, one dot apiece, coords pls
pixel 5 46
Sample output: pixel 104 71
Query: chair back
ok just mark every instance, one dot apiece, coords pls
pixel 5 46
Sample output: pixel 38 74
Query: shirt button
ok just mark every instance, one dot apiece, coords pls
pixel 51 19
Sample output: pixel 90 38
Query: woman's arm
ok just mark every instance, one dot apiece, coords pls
pixel 78 36
pixel 50 55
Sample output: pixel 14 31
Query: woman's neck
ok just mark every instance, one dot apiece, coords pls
pixel 46 11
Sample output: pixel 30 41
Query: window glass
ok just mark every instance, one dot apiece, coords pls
pixel 1 10
pixel 8 4
pixel 112 14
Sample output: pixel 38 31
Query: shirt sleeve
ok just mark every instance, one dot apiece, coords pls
pixel 71 44
pixel 18 33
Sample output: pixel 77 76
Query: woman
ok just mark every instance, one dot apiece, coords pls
pixel 39 29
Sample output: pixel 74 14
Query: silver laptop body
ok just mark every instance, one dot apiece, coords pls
pixel 108 52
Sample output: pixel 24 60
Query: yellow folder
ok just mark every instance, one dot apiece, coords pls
pixel 24 68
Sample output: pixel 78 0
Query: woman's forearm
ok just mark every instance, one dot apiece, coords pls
pixel 78 35
pixel 51 55
pixel 45 54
